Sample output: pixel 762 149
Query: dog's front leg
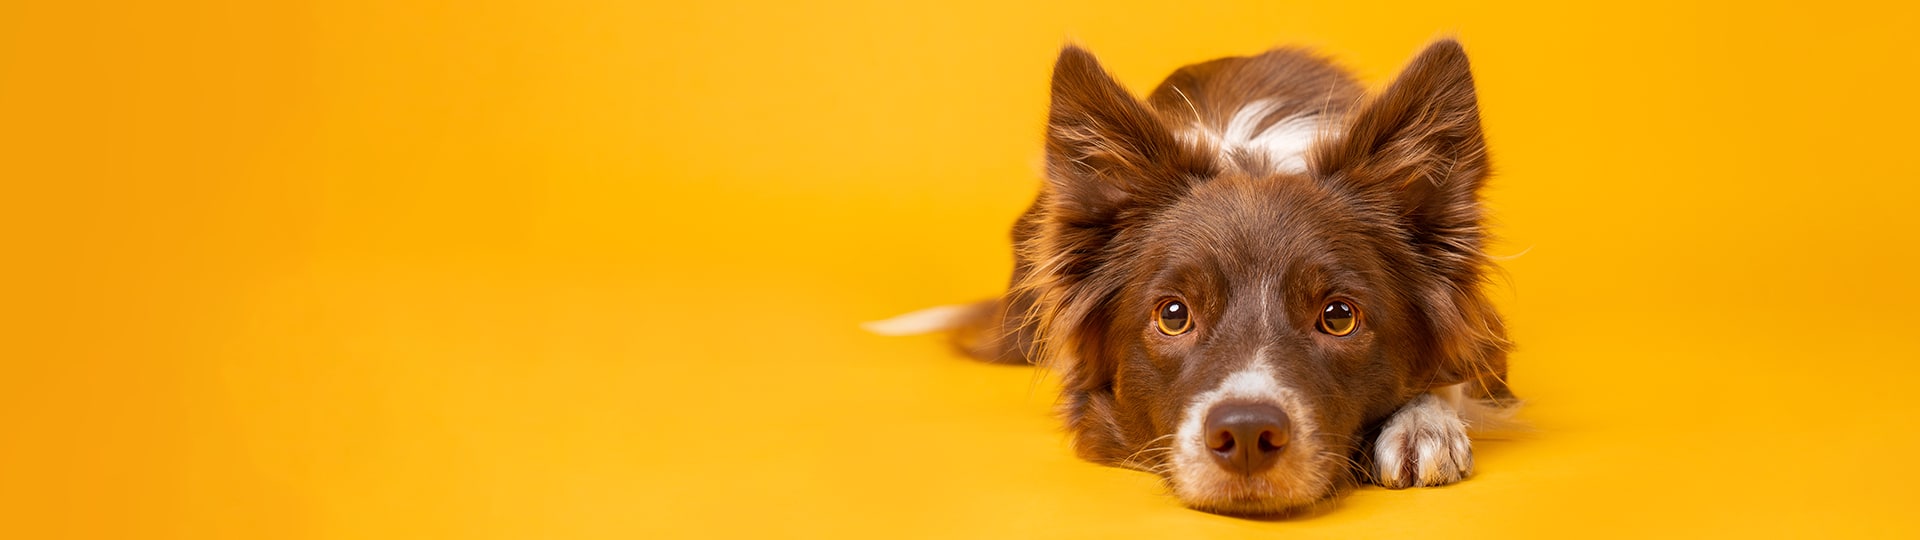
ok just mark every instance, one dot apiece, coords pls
pixel 1423 444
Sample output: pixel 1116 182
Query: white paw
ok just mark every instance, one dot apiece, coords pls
pixel 1424 444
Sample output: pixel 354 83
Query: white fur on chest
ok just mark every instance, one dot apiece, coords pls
pixel 1282 146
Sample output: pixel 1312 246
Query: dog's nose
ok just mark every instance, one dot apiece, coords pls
pixel 1246 437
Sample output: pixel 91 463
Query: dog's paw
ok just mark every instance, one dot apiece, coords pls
pixel 1424 444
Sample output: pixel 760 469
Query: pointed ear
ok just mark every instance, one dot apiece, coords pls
pixel 1105 149
pixel 1419 141
pixel 1417 149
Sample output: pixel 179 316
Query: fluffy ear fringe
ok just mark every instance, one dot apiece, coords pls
pixel 1471 341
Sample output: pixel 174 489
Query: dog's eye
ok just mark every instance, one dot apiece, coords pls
pixel 1172 317
pixel 1339 318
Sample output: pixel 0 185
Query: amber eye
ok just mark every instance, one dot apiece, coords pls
pixel 1172 317
pixel 1339 318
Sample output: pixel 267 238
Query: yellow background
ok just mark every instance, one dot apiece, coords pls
pixel 379 269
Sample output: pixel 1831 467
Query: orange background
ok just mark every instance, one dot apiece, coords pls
pixel 504 269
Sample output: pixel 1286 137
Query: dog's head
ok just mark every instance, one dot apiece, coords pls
pixel 1238 332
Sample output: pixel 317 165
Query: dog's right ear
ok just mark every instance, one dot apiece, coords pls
pixel 1105 149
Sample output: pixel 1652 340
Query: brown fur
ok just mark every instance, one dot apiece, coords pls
pixel 1387 215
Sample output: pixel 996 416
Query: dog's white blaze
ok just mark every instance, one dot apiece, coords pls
pixel 1284 144
pixel 932 319
pixel 1254 382
pixel 1266 291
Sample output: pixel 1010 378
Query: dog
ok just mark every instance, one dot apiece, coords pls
pixel 1260 283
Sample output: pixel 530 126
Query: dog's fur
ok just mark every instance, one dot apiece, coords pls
pixel 1255 190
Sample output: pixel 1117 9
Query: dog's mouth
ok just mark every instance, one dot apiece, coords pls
pixel 1302 476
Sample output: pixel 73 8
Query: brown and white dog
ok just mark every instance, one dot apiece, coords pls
pixel 1259 283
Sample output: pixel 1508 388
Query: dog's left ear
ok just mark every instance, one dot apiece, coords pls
pixel 1419 142
pixel 1417 148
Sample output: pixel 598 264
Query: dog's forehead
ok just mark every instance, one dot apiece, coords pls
pixel 1254 224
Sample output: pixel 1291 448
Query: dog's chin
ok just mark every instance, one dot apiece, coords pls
pixel 1257 498
pixel 1254 508
pixel 1296 484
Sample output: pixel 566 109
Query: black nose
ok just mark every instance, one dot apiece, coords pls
pixel 1246 437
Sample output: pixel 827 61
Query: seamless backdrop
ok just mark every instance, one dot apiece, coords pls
pixel 575 269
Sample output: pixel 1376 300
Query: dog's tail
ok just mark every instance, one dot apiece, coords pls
pixel 986 330
pixel 933 319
